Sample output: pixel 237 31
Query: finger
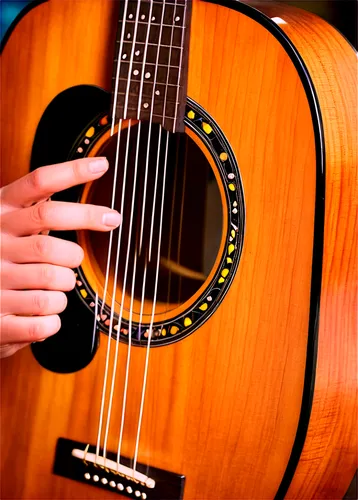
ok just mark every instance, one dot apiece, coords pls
pixel 37 277
pixel 19 329
pixel 44 249
pixel 60 216
pixel 45 181
pixel 10 349
pixel 31 302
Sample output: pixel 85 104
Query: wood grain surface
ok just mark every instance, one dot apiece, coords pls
pixel 222 406
pixel 332 433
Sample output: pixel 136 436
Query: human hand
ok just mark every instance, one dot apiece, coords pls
pixel 36 269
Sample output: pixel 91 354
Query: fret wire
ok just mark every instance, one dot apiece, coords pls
pixel 154 24
pixel 138 81
pixel 154 44
pixel 147 64
pixel 169 3
pixel 135 95
pixel 153 114
pixel 160 2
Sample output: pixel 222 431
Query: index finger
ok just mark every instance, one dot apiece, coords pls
pixel 45 181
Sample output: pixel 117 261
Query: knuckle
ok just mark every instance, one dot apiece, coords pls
pixel 90 215
pixel 42 246
pixel 36 330
pixel 76 169
pixel 41 302
pixel 47 276
pixel 37 179
pixel 40 213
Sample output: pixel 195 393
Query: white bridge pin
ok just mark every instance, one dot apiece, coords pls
pixel 129 489
pixel 137 493
pixel 120 486
pixel 112 484
pixel 95 479
pixel 104 480
pixel 87 475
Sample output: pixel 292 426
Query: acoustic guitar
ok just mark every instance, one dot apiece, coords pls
pixel 208 350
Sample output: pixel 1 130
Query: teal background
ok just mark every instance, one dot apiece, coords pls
pixel 9 9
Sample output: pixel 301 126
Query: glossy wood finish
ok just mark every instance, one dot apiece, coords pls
pixel 332 433
pixel 223 405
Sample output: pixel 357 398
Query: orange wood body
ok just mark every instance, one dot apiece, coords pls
pixel 332 433
pixel 223 405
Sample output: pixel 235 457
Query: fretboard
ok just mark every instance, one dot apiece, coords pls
pixel 151 61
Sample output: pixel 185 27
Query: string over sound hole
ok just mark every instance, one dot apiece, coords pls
pixel 191 224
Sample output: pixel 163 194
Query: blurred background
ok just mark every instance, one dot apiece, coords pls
pixel 341 13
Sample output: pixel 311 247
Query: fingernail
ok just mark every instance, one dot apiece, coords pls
pixel 98 165
pixel 112 219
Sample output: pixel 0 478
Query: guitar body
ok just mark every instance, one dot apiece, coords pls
pixel 259 400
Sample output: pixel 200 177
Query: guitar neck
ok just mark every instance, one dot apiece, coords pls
pixel 151 62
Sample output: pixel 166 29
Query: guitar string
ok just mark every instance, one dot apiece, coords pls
pixel 123 295
pixel 175 178
pixel 142 217
pixel 114 369
pixel 119 62
pixel 114 372
pixel 182 214
pixel 164 108
pixel 95 321
pixel 133 274
pixel 150 331
pixel 111 233
pixel 115 285
pixel 134 268
pixel 146 171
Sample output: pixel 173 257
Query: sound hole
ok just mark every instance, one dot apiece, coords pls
pixel 192 221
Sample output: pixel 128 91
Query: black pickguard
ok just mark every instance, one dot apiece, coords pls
pixel 73 347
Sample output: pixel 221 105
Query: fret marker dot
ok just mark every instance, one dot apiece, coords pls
pixel 128 36
pixel 157 92
pixel 137 52
pixel 142 17
pixel 135 72
pixel 153 18
pixel 147 75
pixel 145 105
pixel 130 16
pixel 124 56
pixel 177 18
